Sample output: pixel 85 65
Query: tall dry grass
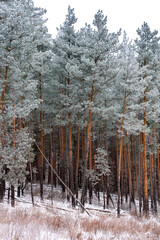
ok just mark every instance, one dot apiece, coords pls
pixel 35 223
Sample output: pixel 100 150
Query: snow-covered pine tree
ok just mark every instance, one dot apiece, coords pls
pixel 22 30
pixel 95 71
pixel 129 91
pixel 147 47
pixel 64 55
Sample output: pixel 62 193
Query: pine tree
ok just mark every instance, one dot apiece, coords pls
pixel 147 49
pixel 22 27
pixel 64 50
pixel 94 71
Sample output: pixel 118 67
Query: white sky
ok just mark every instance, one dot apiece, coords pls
pixel 126 14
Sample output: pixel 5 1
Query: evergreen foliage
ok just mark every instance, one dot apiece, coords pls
pixel 88 99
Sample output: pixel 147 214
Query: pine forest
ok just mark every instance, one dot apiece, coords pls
pixel 79 112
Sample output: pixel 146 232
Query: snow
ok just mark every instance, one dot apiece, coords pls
pixel 60 221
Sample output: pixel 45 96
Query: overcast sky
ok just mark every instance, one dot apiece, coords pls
pixel 126 14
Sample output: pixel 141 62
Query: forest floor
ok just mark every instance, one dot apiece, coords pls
pixel 58 220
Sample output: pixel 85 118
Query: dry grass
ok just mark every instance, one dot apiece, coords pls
pixel 136 228
pixel 33 223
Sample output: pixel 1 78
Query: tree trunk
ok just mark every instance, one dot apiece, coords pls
pixel 53 157
pixel 154 186
pixel 4 88
pixel 31 177
pixel 107 177
pixel 77 156
pixel 61 143
pixel 151 178
pixel 158 164
pixel 14 158
pixel 12 196
pixel 133 166
pixel 42 141
pixel 130 176
pixel 140 175
pixel 88 140
pixel 70 159
pixel 84 180
pixel 2 189
pixel 90 168
pixel 135 154
pixel 120 155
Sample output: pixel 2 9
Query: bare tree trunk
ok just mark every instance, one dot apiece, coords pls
pixel 103 189
pixel 4 88
pixel 12 196
pixel 42 141
pixel 154 186
pixel 107 177
pixel 88 140
pixel 84 180
pixel 2 182
pixel 53 157
pixel 130 176
pixel 145 206
pixel 151 179
pixel 133 166
pixel 140 175
pixel 120 155
pixel 158 164
pixel 135 154
pixel 31 177
pixel 125 174
pixel 62 145
pixel 14 158
pixel 70 159
pixel 77 156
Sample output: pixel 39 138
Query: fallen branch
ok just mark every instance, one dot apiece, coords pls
pixel 56 174
pixel 98 210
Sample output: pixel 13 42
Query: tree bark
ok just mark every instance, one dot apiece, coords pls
pixel 77 156
pixel 4 88
pixel 84 180
pixel 88 139
pixel 120 155
pixel 140 174
pixel 158 164
pixel 145 206
pixel 70 159
pixel 42 141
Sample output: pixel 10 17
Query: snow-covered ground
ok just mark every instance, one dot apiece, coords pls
pixel 47 221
